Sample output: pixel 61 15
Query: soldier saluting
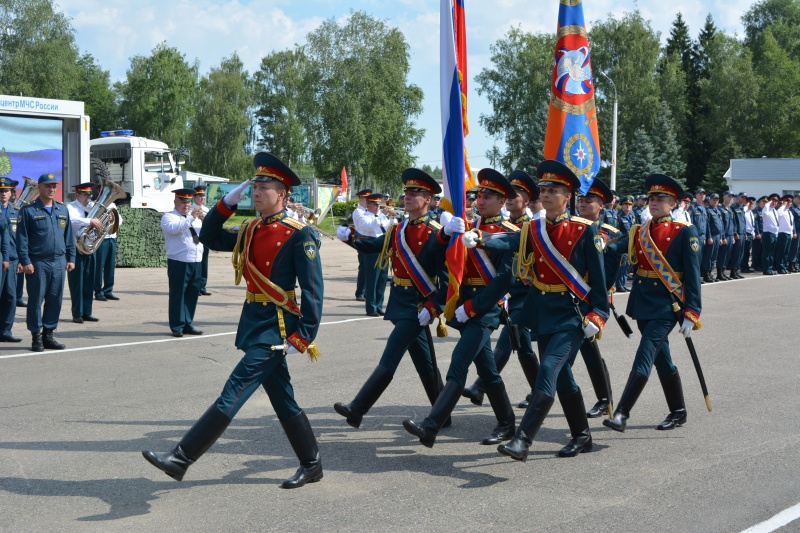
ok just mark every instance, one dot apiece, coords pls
pixel 272 253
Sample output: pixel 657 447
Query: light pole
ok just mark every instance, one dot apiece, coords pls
pixel 613 138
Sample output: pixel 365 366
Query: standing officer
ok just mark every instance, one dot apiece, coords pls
pixel 487 277
pixel 699 216
pixel 82 278
pixel 568 303
pixel 360 213
pixel 608 214
pixel 714 234
pixel 739 235
pixel 769 236
pixel 373 224
pixel 527 191
pixel 8 294
pixel 758 226
pixel 415 249
pixel 749 234
pixel 794 253
pixel 625 220
pixel 199 210
pixel 184 254
pixel 660 298
pixel 272 253
pixel 106 266
pixel 785 234
pixel 46 248
pixel 728 234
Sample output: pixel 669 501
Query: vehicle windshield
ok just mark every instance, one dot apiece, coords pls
pixel 158 162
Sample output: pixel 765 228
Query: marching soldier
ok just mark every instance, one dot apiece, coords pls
pixel 714 234
pixel 272 253
pixel 199 210
pixel 46 248
pixel 8 294
pixel 81 279
pixel 563 256
pixel 666 293
pixel 415 249
pixel 486 280
pixel 373 224
pixel 184 254
pixel 361 211
pixel 527 191
pixel 625 221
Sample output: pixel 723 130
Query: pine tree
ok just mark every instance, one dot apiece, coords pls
pixel 641 163
pixel 681 43
pixel 668 156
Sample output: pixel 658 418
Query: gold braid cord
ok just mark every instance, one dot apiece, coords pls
pixel 524 260
pixel 385 257
pixel 632 244
pixel 238 256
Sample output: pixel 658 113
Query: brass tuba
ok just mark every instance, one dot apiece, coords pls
pixel 28 194
pixel 90 238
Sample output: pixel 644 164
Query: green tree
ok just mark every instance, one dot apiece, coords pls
pixel 517 86
pixel 641 163
pixel 781 18
pixel 357 106
pixel 668 156
pixel 680 43
pixel 95 90
pixel 158 95
pixel 278 89
pixel 38 54
pixel 434 172
pixel 219 128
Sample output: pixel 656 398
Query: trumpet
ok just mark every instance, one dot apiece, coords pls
pixel 311 217
pixel 28 194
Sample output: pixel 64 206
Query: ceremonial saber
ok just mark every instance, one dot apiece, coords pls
pixel 693 353
pixel 437 376
pixel 623 323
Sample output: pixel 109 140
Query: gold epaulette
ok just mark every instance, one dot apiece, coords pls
pixel 509 226
pixel 683 222
pixel 582 220
pixel 296 224
pixel 385 257
pixel 610 228
pixel 632 244
pixel 434 224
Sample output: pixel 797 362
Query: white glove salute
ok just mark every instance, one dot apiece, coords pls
pixel 343 233
pixel 470 239
pixel 236 195
pixel 686 328
pixel 292 350
pixel 424 317
pixel 455 225
pixel 590 329
pixel 461 314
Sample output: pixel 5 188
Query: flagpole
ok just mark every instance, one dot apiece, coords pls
pixel 614 137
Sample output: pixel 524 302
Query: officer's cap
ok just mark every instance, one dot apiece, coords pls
pixel 728 193
pixel 552 173
pixel 471 195
pixel 763 199
pixel 86 187
pixel 600 189
pixel 363 193
pixel 200 188
pixel 270 168
pixel 492 181
pixel 700 191
pixel 523 181
pixel 742 194
pixel 787 197
pixel 687 197
pixel 184 194
pixel 714 196
pixel 774 196
pixel 627 200
pixel 47 179
pixel 663 185
pixel 415 179
pixel 8 183
pixel 375 198
pixel 751 198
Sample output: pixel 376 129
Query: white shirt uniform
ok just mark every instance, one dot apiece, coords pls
pixel 749 221
pixel 645 215
pixel 178 238
pixel 680 215
pixel 785 220
pixel 770 219
pixel 370 225
pixel 78 215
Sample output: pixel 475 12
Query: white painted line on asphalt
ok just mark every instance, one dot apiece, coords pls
pixel 174 339
pixel 776 522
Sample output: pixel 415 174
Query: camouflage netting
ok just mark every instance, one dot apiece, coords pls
pixel 140 242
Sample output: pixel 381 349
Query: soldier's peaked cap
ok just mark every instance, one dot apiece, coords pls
pixel 522 180
pixel 599 188
pixel 8 183
pixel 416 179
pixel 552 173
pixel 492 181
pixel 663 185
pixel 270 168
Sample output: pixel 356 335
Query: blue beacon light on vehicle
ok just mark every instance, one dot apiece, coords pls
pixel 117 133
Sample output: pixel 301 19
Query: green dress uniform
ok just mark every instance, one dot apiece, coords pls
pixel 272 254
pixel 45 240
pixel 415 249
pixel 657 292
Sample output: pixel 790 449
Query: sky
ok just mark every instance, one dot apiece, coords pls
pixel 209 30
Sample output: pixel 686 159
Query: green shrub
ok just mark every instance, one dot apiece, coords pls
pixel 340 208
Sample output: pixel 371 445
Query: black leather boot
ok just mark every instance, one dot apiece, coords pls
pixel 49 342
pixel 633 389
pixel 602 392
pixel 192 446
pixel 707 277
pixel 530 367
pixel 526 402
pixel 501 405
pixel 735 274
pixel 432 388
pixel 575 412
pixel 529 426
pixel 428 428
pixel 673 391
pixel 366 397
pixel 36 342
pixel 474 392
pixel 301 437
pixel 721 275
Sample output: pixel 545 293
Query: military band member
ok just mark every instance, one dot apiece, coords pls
pixel 563 255
pixel 527 191
pixel 785 234
pixel 272 253
pixel 758 227
pixel 46 248
pixel 415 248
pixel 749 235
pixel 199 210
pixel 794 249
pixel 184 255
pixel 625 221
pixel 8 294
pixel 373 224
pixel 769 235
pixel 487 277
pixel 361 211
pixel 81 279
pixel 666 293
pixel 106 266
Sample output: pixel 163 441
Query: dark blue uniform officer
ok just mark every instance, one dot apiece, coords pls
pixel 659 299
pixel 46 248
pixel 624 224
pixel 714 234
pixel 739 236
pixel 272 253
pixel 794 249
pixel 699 214
pixel 727 237
pixel 758 227
pixel 8 294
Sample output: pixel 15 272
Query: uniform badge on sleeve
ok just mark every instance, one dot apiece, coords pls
pixel 694 243
pixel 310 248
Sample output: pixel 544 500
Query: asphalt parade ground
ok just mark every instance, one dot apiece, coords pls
pixel 73 424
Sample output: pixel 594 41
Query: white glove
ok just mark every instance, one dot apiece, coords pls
pixel 343 233
pixel 292 350
pixel 686 328
pixel 461 314
pixel 424 317
pixel 236 195
pixel 590 329
pixel 470 239
pixel 455 225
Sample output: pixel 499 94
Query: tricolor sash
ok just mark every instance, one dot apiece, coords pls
pixel 406 256
pixel 557 262
pixel 482 264
pixel 660 265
